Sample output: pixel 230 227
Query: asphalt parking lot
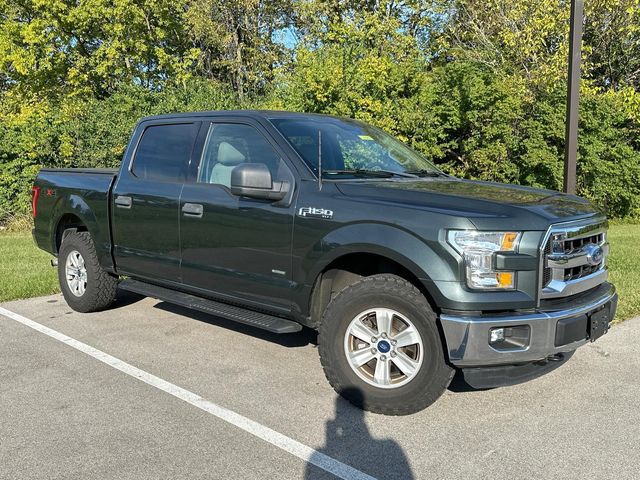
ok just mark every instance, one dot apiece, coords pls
pixel 67 414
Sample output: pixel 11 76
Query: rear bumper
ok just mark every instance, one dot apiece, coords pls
pixel 553 330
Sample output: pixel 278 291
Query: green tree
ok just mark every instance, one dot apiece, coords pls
pixel 53 47
pixel 477 86
pixel 235 40
pixel 367 66
pixel 525 37
pixel 612 38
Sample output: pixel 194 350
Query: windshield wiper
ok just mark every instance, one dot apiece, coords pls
pixel 376 173
pixel 426 173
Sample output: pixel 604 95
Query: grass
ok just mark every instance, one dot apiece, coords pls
pixel 25 270
pixel 624 268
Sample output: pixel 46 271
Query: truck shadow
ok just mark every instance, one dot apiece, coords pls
pixel 299 339
pixel 125 298
pixel 459 385
pixel 348 439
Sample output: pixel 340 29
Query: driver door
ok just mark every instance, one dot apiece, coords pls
pixel 232 247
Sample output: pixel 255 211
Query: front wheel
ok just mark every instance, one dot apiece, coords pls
pixel 85 285
pixel 380 347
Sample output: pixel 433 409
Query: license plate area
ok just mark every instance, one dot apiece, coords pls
pixel 599 322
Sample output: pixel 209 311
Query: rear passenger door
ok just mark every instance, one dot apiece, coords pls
pixel 232 247
pixel 146 198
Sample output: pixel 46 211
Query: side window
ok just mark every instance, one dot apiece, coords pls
pixel 229 145
pixel 164 151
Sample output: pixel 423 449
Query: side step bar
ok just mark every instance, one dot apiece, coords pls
pixel 229 312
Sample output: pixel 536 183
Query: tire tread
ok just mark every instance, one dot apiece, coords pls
pixel 397 286
pixel 103 291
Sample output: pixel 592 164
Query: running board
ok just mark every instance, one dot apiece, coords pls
pixel 237 314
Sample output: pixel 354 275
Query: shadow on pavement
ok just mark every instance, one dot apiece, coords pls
pixel 299 339
pixel 347 438
pixel 459 385
pixel 125 298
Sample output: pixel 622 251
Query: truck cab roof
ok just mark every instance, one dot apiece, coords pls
pixel 263 114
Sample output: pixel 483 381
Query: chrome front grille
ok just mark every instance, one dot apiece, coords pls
pixel 547 273
pixel 577 243
pixel 573 259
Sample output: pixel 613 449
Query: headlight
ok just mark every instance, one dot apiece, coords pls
pixel 477 249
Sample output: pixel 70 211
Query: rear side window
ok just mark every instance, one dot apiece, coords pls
pixel 164 151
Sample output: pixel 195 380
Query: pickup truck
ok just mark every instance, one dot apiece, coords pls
pixel 282 220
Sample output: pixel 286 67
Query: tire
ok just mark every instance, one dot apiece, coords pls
pixel 369 302
pixel 95 289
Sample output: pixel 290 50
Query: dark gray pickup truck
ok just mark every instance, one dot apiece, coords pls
pixel 283 220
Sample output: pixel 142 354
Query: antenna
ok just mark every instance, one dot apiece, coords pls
pixel 319 159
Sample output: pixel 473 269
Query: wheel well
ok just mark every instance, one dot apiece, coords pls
pixel 66 222
pixel 347 270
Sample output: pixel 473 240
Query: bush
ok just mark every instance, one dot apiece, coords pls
pixel 472 121
pixel 93 133
pixel 478 123
pixel 97 133
pixel 16 179
pixel 609 155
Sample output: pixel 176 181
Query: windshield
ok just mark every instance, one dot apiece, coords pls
pixel 351 148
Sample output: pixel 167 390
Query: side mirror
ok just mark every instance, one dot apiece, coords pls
pixel 253 180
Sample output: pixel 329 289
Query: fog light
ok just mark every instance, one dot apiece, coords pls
pixel 504 339
pixel 496 335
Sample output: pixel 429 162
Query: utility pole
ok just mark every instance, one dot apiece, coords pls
pixel 573 96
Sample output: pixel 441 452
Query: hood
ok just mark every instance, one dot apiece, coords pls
pixel 488 205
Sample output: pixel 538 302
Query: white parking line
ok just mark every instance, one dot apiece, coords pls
pixel 308 454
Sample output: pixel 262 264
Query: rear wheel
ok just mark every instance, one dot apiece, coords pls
pixel 380 347
pixel 86 287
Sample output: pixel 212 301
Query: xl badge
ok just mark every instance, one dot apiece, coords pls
pixel 313 212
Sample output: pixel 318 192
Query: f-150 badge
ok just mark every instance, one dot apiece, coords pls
pixel 312 212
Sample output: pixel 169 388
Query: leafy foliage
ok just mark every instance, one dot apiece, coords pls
pixel 235 40
pixel 52 47
pixel 476 86
pixel 92 133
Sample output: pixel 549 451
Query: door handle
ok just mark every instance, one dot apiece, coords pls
pixel 192 210
pixel 123 202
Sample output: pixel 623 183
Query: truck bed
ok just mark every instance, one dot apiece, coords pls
pixel 69 196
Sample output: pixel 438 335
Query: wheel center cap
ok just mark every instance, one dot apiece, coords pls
pixel 384 346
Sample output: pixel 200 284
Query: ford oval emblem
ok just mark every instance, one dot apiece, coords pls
pixel 594 254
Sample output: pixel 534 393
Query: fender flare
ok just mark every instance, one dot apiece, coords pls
pixel 389 241
pixel 77 206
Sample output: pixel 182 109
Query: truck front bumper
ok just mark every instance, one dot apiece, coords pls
pixel 548 332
